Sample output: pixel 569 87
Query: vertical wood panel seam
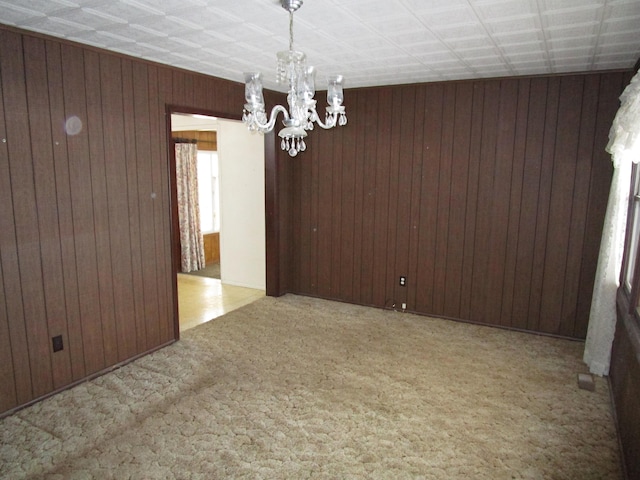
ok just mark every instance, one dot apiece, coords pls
pixel 477 202
pixel 465 239
pixel 537 225
pixel 518 234
pixel 9 337
pixel 73 216
pixel 33 135
pixel 416 210
pixel 65 290
pixel 93 208
pixel 572 212
pixel 585 224
pixel 29 338
pixel 511 181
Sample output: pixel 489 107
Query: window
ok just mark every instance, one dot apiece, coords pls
pixel 631 264
pixel 633 223
pixel 208 191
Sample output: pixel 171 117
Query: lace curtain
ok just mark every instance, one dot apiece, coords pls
pixel 624 147
pixel 191 241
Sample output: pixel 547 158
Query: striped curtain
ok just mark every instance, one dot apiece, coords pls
pixel 191 242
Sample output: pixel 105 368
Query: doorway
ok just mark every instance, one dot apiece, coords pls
pixel 234 217
pixel 199 132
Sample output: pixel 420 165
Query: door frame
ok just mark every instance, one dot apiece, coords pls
pixel 272 210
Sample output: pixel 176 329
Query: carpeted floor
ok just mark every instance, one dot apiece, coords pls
pixel 211 271
pixel 299 388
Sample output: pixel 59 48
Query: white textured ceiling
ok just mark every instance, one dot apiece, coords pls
pixel 370 42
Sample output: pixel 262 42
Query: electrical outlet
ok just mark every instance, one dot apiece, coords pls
pixel 403 281
pixel 57 343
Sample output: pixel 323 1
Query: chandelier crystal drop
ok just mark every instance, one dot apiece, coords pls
pixel 292 70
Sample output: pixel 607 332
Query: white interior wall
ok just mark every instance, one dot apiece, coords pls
pixel 242 207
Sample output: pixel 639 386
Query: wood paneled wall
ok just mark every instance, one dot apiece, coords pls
pixel 206 140
pixel 625 386
pixel 85 216
pixel 211 247
pixel 487 195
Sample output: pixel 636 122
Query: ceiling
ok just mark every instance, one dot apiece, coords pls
pixel 370 42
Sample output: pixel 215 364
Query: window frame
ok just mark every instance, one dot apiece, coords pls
pixel 631 289
pixel 214 192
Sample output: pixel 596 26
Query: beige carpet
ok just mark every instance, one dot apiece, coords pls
pixel 211 271
pixel 302 388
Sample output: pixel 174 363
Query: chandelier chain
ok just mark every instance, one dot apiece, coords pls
pixel 291 30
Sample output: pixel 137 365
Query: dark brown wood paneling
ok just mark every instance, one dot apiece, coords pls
pixel 515 204
pixel 25 216
pixel 160 155
pixel 82 208
pixel 484 215
pixel 407 187
pixel 599 185
pixel 15 376
pixel 541 219
pixel 424 285
pixel 145 204
pixel 520 317
pixel 395 220
pixel 404 148
pixel 337 234
pixel 470 222
pixel 381 201
pixel 47 210
pixel 478 191
pixel 276 204
pixel 308 231
pixel 443 205
pixel 142 96
pixel 120 239
pixel 315 209
pixel 73 337
pixel 345 266
pixel 499 207
pixel 131 169
pixel 85 232
pixel 357 260
pixel 410 266
pixel 562 186
pixel 572 323
pixel 8 397
pixel 297 224
pixel 455 232
pixel 279 227
pixel 624 377
pixel 169 328
pixel 98 179
pixel 329 211
pixel 371 111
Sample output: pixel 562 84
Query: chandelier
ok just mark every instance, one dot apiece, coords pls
pixel 292 70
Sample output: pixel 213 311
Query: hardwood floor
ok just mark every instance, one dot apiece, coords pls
pixel 201 299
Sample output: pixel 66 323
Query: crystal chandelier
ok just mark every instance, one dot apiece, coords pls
pixel 292 70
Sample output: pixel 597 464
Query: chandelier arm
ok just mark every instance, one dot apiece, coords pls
pixel 274 114
pixel 272 118
pixel 317 120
